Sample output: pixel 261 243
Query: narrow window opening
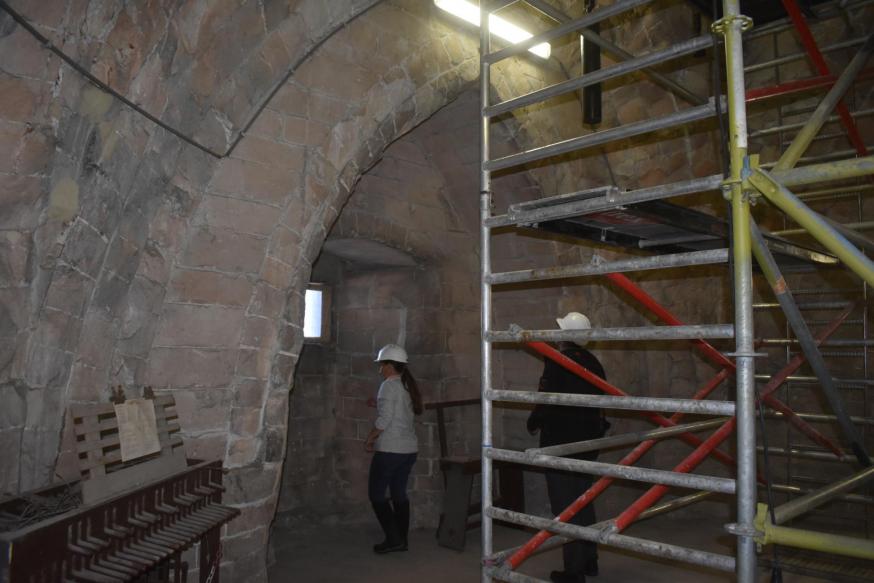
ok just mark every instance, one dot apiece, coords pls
pixel 316 313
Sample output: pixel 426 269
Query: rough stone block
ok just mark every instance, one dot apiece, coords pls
pixel 202 410
pixel 250 393
pixel 274 445
pixel 245 179
pixel 267 301
pixel 253 363
pixel 237 215
pixel 243 451
pixel 282 370
pixel 208 287
pixel 270 153
pixel 195 325
pixel 98 338
pixel 15 248
pixel 47 366
pixel 251 483
pixel 225 251
pixel 252 516
pixel 259 333
pixel 10 440
pixel 276 410
pixel 88 384
pixel 14 410
pixel 19 97
pixel 291 100
pixel 246 422
pixel 190 367
pixel 23 199
pixel 277 273
pixel 57 329
pixel 209 447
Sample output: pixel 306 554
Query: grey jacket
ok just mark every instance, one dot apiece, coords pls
pixel 395 418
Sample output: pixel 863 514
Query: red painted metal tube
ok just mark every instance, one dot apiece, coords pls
pixel 687 465
pixel 581 371
pixel 822 68
pixel 692 461
pixel 790 87
pixel 717 358
pixel 603 483
pixel 633 456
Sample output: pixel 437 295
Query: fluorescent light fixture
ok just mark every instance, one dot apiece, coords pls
pixel 497 25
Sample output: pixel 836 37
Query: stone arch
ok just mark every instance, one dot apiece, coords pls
pixel 139 259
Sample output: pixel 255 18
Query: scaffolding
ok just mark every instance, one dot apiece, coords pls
pixel 786 186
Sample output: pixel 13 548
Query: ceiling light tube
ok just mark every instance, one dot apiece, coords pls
pixel 497 25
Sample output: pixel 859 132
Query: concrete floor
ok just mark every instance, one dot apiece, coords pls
pixel 343 553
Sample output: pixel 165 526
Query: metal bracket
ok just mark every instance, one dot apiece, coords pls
pixel 721 25
pixel 741 530
pixel 751 354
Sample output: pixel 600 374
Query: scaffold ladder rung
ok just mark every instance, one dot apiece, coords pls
pixel 694 332
pixel 633 473
pixel 683 117
pixel 626 402
pixel 601 75
pixel 691 259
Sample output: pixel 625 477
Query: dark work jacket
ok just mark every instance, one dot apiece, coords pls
pixel 562 424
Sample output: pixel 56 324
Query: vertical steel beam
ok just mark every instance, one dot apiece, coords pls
pixel 814 357
pixel 486 295
pixel 731 26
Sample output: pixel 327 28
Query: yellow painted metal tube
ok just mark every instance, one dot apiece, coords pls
pixel 837 544
pixel 821 230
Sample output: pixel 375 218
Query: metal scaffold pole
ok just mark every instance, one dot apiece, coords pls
pixel 732 26
pixel 486 299
pixel 743 180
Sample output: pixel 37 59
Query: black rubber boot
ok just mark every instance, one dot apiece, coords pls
pixel 565 577
pixel 402 520
pixel 386 518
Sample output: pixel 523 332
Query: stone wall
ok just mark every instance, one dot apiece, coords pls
pixel 136 258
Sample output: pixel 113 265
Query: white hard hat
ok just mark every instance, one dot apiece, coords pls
pixel 574 321
pixel 391 352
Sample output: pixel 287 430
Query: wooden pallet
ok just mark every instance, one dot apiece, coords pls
pixel 99 450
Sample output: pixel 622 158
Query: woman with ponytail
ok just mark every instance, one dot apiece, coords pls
pixel 393 441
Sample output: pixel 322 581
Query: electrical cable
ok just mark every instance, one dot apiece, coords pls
pixel 777 569
pixel 47 44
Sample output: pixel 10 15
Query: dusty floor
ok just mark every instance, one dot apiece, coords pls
pixel 337 553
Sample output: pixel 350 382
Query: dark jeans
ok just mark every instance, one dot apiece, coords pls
pixel 563 488
pixel 389 470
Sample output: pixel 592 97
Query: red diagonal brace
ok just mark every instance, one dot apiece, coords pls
pixel 603 483
pixel 821 82
pixel 822 68
pixel 692 461
pixel 581 371
pixel 717 358
pixel 728 368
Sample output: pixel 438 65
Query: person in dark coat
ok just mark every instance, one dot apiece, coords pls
pixel 562 424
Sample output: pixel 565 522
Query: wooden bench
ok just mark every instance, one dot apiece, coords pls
pixel 459 474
